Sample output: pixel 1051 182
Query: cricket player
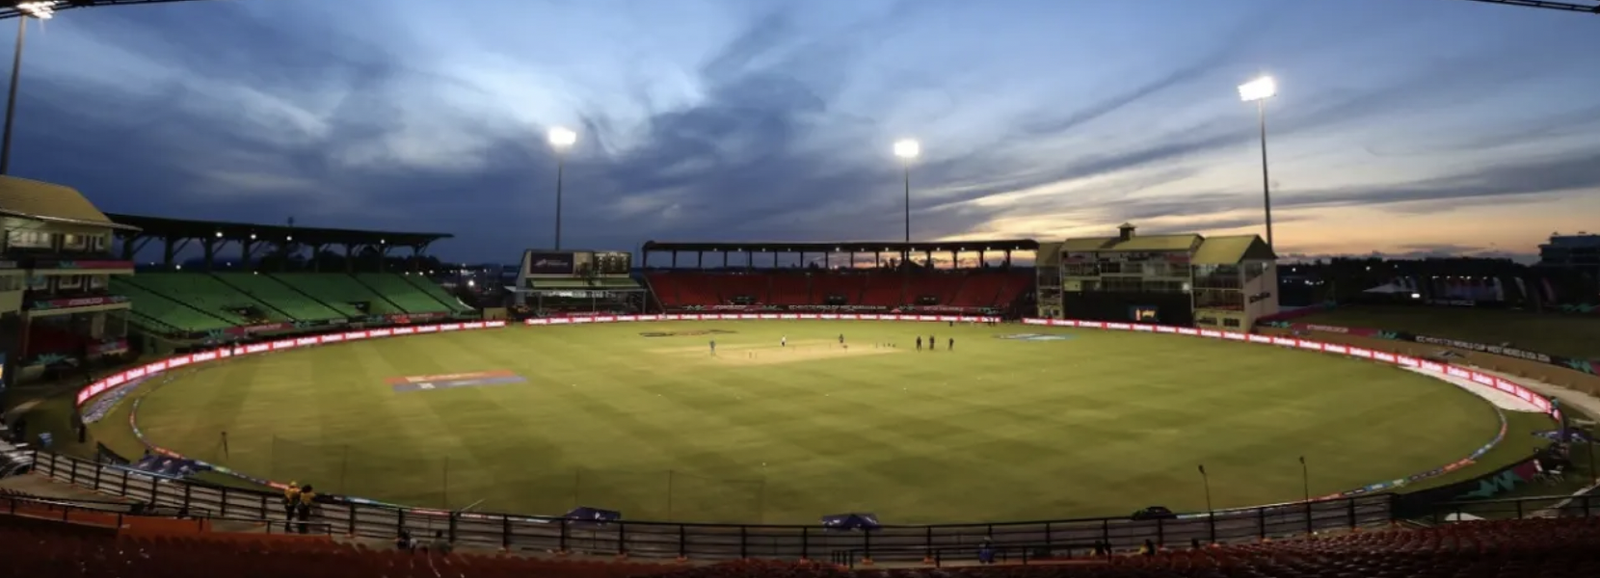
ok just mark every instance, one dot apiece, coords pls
pixel 783 341
pixel 713 347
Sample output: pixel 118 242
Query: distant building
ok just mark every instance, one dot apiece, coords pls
pixel 1226 282
pixel 1580 252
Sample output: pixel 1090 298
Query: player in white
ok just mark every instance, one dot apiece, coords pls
pixel 783 341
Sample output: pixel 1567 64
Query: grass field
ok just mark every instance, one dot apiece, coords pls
pixel 1096 423
pixel 1551 333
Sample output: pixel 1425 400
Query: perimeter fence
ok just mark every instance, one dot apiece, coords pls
pixel 515 532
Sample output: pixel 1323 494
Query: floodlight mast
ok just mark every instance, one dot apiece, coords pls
pixel 561 140
pixel 908 150
pixel 1258 91
pixel 37 10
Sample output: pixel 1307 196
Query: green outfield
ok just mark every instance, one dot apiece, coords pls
pixel 1083 423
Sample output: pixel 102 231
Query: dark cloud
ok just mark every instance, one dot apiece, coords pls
pixel 769 149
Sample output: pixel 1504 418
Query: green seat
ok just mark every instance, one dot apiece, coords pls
pixel 279 296
pixel 339 291
pixel 402 293
pixel 166 309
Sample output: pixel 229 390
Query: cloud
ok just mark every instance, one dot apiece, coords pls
pixel 723 120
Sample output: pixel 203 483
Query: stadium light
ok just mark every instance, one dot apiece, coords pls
pixel 36 10
pixel 561 140
pixel 1258 91
pixel 908 150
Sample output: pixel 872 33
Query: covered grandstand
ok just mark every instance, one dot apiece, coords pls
pixel 852 276
pixel 282 279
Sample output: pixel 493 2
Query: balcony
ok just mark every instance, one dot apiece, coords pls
pixel 64 303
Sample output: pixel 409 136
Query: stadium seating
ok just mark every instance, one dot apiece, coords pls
pixel 341 292
pixel 789 288
pixel 847 285
pixel 166 312
pixel 1548 548
pixel 397 290
pixel 279 296
pixel 884 288
pixel 968 288
pixel 207 294
pixel 431 289
pixel 736 284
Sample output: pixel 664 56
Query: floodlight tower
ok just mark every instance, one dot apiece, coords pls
pixel 908 150
pixel 561 140
pixel 28 10
pixel 1258 91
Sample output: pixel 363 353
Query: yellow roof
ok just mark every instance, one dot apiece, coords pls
pixel 1231 250
pixel 1137 243
pixel 41 201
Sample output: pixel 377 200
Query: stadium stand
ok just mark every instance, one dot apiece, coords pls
pixel 161 313
pixel 280 297
pixel 408 297
pixel 790 289
pixel 972 288
pixel 433 290
pixel 209 295
pixel 1536 548
pixel 341 292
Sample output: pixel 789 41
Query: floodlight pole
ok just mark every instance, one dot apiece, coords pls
pixel 1266 183
pixel 11 97
pixel 561 161
pixel 905 256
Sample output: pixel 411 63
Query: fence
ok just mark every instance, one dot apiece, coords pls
pixel 1582 505
pixel 665 539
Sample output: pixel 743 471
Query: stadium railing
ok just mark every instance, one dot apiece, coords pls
pixel 357 517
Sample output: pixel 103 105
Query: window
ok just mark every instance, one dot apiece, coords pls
pixel 28 239
pixel 1230 322
pixel 1224 299
pixel 74 242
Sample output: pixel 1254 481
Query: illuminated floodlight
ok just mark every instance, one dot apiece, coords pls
pixel 907 148
pixel 1258 89
pixel 562 138
pixel 40 10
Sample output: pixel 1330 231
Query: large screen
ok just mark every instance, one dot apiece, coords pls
pixel 550 263
pixel 581 264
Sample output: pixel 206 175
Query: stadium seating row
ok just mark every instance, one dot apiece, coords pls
pixel 198 302
pixel 973 288
pixel 1542 548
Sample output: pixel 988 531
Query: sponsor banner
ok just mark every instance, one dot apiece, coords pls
pixel 94 301
pixel 1575 364
pixel 550 263
pixel 154 368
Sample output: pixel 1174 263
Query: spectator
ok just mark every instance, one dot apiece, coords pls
pixel 1148 549
pixel 403 542
pixel 440 544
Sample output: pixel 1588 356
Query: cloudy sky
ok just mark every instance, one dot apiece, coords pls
pixel 1402 126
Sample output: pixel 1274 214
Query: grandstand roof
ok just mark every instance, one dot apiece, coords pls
pixel 1137 243
pixel 844 247
pixel 195 229
pixel 1231 250
pixel 51 203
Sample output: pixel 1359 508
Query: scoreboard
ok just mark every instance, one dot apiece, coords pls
pixel 575 264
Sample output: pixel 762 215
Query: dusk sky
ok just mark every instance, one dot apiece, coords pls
pixel 1402 126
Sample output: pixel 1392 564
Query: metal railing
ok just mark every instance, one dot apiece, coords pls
pixel 1582 505
pixel 720 541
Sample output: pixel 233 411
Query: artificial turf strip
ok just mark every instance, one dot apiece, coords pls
pixel 1100 424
